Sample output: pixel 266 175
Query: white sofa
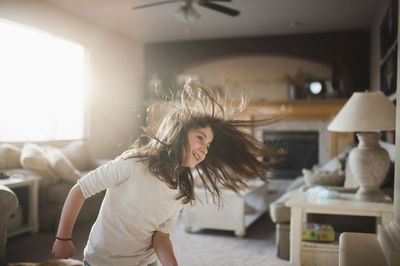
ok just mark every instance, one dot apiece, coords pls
pixel 58 169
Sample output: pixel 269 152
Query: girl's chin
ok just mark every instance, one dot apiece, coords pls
pixel 193 165
pixel 190 165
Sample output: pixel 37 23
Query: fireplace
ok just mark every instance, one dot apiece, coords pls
pixel 301 149
pixel 313 141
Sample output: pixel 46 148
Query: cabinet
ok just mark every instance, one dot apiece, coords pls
pixel 26 188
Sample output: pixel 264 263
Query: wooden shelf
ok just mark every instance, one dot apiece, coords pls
pixel 307 110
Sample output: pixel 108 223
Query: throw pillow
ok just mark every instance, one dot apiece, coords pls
pixel 330 166
pixel 33 157
pixel 61 165
pixel 78 153
pixel 9 156
pixel 323 178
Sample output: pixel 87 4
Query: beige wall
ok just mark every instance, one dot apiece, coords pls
pixel 265 77
pixel 116 65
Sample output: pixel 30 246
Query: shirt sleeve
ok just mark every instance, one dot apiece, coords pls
pixel 167 227
pixel 108 175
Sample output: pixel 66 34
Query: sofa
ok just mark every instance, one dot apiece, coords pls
pixel 58 167
pixel 334 175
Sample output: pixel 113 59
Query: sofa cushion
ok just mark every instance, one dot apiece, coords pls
pixel 278 211
pixel 61 165
pixel 78 153
pixel 9 156
pixel 330 174
pixel 33 157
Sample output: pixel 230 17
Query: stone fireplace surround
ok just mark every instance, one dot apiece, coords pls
pixel 316 126
pixel 313 115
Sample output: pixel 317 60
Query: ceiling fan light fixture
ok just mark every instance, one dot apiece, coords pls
pixel 187 14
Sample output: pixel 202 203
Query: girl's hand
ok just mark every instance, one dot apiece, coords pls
pixel 63 249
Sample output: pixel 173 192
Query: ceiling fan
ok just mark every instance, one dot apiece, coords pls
pixel 189 13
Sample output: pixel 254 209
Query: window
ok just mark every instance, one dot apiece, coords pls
pixel 41 85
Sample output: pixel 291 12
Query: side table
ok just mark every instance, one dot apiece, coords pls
pixel 300 206
pixel 32 182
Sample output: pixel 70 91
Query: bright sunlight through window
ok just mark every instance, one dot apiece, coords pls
pixel 41 85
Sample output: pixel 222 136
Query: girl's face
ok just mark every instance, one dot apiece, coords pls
pixel 199 140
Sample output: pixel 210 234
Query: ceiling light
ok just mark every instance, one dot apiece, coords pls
pixel 187 13
pixel 293 24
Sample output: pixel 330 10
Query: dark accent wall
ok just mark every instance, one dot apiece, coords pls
pixel 346 52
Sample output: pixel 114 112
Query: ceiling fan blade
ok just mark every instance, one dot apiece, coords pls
pixel 156 4
pixel 219 8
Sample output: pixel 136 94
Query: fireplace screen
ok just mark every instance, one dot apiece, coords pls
pixel 301 151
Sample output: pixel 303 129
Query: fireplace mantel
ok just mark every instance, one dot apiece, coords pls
pixel 323 110
pixel 307 111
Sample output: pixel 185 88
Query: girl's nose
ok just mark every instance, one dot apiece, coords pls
pixel 204 149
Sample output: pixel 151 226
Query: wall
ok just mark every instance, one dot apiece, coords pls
pixel 347 53
pixel 266 77
pixel 115 94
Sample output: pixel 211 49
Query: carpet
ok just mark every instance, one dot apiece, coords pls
pixel 199 248
pixel 213 247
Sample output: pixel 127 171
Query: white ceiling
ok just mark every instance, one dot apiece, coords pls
pixel 257 18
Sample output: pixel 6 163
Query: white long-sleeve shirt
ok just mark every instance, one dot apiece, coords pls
pixel 136 204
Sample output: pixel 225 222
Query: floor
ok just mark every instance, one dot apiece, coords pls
pixel 201 247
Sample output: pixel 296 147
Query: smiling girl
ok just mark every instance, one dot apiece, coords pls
pixel 149 183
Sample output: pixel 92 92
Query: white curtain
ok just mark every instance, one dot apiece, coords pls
pixel 42 80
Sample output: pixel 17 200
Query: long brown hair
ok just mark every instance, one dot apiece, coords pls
pixel 233 157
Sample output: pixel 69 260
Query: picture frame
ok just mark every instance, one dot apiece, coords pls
pixel 388 28
pixel 389 73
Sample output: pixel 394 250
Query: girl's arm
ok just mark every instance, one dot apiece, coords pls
pixel 163 248
pixel 73 203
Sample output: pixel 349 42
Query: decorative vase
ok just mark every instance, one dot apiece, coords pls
pixel 369 164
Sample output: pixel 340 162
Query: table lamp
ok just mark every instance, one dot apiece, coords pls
pixel 367 113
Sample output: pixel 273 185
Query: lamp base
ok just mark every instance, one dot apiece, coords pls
pixel 368 195
pixel 369 164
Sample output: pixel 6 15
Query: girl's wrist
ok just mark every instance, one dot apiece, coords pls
pixel 63 239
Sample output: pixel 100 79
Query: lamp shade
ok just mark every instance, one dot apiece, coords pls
pixel 365 112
